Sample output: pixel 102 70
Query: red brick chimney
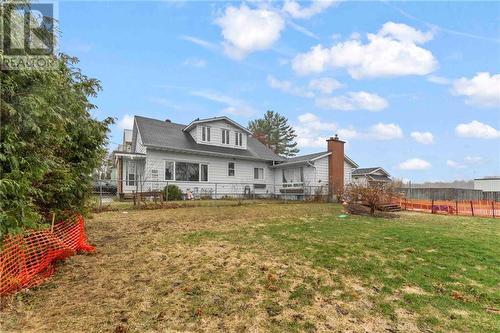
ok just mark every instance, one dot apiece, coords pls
pixel 336 165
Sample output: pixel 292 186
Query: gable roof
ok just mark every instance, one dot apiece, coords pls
pixel 174 137
pixel 207 120
pixel 368 171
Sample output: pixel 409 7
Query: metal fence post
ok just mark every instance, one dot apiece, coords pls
pixel 493 208
pixel 472 207
pixel 215 191
pixel 100 195
pixel 456 206
pixel 166 193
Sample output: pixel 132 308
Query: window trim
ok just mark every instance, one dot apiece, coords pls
pixel 174 178
pixel 226 136
pixel 208 172
pixel 234 169
pixel 205 133
pixel 165 168
pixel 263 173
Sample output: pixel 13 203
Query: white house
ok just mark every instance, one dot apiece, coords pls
pixel 365 176
pixel 219 156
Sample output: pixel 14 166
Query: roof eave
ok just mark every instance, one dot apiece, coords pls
pixel 201 121
pixel 204 152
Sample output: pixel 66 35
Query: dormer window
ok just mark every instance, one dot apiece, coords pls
pixel 225 136
pixel 205 133
pixel 238 139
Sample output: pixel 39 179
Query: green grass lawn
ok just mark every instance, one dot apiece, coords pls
pixel 272 267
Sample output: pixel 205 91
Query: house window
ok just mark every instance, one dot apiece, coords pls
pixel 295 175
pixel 204 172
pixel 169 170
pixel 130 173
pixel 185 171
pixel 238 139
pixel 205 133
pixel 230 169
pixel 258 173
pixel 225 137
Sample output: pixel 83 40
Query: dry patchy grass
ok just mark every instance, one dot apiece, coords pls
pixel 266 267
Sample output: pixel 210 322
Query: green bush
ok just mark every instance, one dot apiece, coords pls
pixel 50 142
pixel 172 192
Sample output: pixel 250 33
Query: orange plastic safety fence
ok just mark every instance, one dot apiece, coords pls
pixel 26 261
pixel 483 208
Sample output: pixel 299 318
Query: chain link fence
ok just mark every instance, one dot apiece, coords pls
pixel 108 192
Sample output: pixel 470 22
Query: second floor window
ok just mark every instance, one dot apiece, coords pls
pixel 205 133
pixel 225 136
pixel 238 139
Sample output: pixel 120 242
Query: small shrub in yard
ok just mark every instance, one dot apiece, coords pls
pixel 172 192
pixel 372 196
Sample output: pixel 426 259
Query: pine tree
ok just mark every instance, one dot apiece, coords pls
pixel 274 131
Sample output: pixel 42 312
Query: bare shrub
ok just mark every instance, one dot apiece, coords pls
pixel 372 195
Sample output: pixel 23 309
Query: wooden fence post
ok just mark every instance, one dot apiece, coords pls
pixel 432 206
pixel 472 207
pixel 493 208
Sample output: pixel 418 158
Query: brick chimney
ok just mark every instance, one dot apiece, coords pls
pixel 335 165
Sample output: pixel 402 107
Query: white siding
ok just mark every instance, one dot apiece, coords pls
pixel 139 147
pixel 347 173
pixel 487 185
pixel 195 133
pixel 217 172
pixel 216 128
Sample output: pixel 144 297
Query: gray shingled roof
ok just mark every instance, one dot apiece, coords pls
pixel 379 178
pixel 308 158
pixel 364 171
pixel 167 135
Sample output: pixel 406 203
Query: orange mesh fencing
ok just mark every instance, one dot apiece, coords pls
pixel 483 208
pixel 26 261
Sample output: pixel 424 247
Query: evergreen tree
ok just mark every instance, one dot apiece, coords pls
pixel 274 131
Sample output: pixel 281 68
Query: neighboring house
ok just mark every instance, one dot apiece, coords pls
pixel 365 176
pixel 218 155
pixel 487 184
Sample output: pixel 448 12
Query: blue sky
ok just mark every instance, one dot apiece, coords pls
pixel 411 86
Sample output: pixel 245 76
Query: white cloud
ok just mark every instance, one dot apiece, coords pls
pixel 288 87
pixel 313 122
pixel 454 164
pixel 482 90
pixel 425 138
pixel 405 33
pixel 325 85
pixel 414 164
pixel 247 30
pixel 199 42
pixel 233 105
pixel 360 100
pixel 302 29
pixel 195 62
pixel 127 122
pixel 383 131
pixel 476 129
pixel 311 130
pixel 468 161
pixel 295 10
pixel 438 79
pixel 473 159
pixel 393 51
